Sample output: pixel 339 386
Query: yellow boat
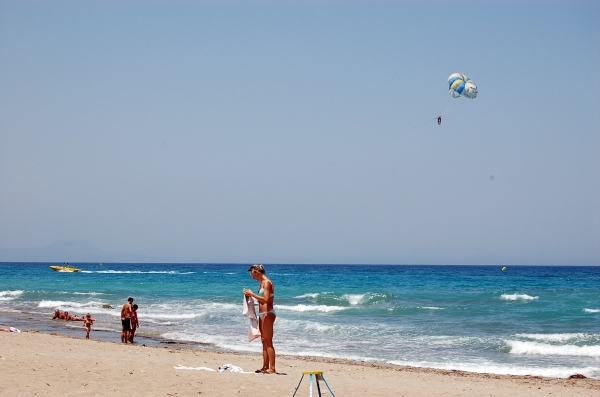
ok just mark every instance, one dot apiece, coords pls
pixel 66 268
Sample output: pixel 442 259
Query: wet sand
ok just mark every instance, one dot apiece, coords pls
pixel 34 363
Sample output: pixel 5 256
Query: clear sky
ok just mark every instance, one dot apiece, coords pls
pixel 300 132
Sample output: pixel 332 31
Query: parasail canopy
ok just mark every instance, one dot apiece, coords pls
pixel 461 85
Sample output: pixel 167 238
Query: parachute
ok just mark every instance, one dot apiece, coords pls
pixel 461 85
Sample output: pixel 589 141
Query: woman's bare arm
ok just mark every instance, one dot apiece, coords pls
pixel 268 287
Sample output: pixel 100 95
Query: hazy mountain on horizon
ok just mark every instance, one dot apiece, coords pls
pixel 70 251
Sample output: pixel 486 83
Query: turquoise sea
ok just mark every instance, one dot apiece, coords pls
pixel 527 320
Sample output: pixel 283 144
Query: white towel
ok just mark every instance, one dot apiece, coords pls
pixel 179 366
pixel 222 368
pixel 250 312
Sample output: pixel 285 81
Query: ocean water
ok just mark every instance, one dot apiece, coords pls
pixel 526 320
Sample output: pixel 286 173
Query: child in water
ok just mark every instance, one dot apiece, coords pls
pixel 87 323
pixel 134 322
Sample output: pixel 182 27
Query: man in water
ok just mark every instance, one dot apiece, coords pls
pixel 126 320
pixel 69 317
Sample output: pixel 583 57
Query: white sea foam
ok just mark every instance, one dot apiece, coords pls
pixel 302 326
pixel 591 310
pixel 492 368
pixel 152 321
pixel 182 311
pixel 311 308
pixel 176 316
pixel 88 293
pixel 59 304
pixel 544 349
pixel 318 327
pixel 186 311
pixel 92 307
pixel 354 299
pixel 164 306
pixel 79 293
pixel 105 329
pixel 9 295
pixel 97 310
pixel 95 307
pixel 557 337
pixel 431 308
pixel 218 307
pixel 195 337
pixel 135 272
pixel 514 297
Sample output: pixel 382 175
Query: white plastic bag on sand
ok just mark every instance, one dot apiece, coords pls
pixel 230 368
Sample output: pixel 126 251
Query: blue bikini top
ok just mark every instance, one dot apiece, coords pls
pixel 261 291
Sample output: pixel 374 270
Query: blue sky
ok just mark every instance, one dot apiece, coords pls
pixel 300 132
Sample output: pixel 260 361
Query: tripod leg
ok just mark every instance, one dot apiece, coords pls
pixel 326 384
pixel 298 385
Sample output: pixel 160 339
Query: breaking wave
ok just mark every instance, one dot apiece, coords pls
pixel 514 297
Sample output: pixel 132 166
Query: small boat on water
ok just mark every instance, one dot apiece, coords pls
pixel 65 268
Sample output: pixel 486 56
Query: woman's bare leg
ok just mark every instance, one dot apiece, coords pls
pixel 265 365
pixel 267 340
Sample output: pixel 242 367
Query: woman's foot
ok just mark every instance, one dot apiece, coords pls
pixel 260 371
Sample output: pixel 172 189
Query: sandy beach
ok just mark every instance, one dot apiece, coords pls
pixel 34 363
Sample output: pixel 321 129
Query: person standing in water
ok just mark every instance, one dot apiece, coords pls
pixel 266 314
pixel 126 320
pixel 134 322
pixel 87 323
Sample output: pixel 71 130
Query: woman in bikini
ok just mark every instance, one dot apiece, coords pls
pixel 266 314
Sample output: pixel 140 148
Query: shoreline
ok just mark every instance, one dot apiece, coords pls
pixel 396 320
pixel 45 325
pixel 36 362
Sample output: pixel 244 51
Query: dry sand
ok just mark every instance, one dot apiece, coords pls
pixel 32 363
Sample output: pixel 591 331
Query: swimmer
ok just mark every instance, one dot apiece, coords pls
pixel 69 317
pixel 58 315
